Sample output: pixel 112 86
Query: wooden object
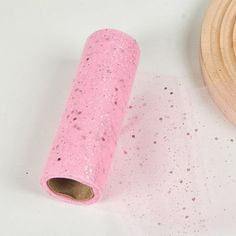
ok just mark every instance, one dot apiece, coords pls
pixel 218 55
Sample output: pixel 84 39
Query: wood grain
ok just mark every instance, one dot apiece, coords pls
pixel 218 55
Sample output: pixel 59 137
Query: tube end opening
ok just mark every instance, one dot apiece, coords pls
pixel 71 189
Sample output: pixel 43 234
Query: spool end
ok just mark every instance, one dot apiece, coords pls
pixel 71 189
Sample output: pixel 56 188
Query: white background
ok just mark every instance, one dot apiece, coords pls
pixel 40 48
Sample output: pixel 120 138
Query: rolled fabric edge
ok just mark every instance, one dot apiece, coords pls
pixel 92 192
pixel 96 193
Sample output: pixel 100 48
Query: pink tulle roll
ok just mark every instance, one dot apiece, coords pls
pixel 82 151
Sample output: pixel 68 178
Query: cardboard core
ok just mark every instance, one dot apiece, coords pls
pixel 70 188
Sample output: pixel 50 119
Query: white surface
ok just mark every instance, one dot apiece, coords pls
pixel 40 45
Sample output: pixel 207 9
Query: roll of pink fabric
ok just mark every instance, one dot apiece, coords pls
pixel 82 151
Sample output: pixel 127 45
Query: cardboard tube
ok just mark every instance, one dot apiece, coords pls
pixel 82 151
